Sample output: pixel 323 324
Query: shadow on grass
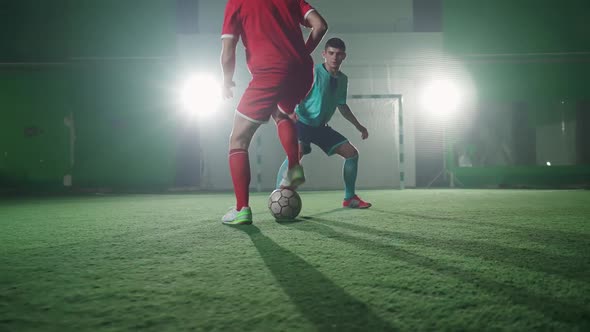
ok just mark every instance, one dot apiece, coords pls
pixel 539 235
pixel 575 268
pixel 322 213
pixel 323 303
pixel 557 309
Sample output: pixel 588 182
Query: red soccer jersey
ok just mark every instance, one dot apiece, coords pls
pixel 270 30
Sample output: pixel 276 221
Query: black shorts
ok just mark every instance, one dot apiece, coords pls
pixel 324 136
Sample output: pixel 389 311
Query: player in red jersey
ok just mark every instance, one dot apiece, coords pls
pixel 282 73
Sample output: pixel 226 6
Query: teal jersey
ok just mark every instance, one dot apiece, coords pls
pixel 327 93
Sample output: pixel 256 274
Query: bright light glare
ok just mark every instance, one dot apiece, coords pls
pixel 441 95
pixel 548 163
pixel 201 94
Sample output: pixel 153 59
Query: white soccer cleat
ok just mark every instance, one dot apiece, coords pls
pixel 235 217
pixel 293 178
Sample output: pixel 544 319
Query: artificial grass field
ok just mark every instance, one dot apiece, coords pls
pixel 418 260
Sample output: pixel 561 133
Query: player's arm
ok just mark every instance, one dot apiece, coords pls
pixel 228 64
pixel 348 115
pixel 318 26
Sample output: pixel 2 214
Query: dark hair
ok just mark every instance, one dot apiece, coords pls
pixel 336 43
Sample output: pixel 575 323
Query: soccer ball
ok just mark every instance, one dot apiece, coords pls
pixel 284 204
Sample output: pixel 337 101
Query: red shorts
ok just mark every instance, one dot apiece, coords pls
pixel 271 88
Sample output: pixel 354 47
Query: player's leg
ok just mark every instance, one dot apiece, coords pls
pixel 285 165
pixel 349 173
pixel 332 142
pixel 239 165
pixel 294 86
pixel 288 136
pixel 255 108
pixel 287 132
pixel 350 168
pixel 282 172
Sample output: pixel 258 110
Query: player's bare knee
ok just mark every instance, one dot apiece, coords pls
pixel 347 151
pixel 239 141
pixel 353 154
pixel 279 116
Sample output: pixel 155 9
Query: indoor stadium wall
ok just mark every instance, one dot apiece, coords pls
pixel 377 64
pixel 105 65
pixel 531 75
pixel 384 58
pixel 343 16
pixel 33 138
pixel 33 98
pixel 118 68
pixel 113 68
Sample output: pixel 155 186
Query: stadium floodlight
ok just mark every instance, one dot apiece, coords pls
pixel 444 97
pixel 441 95
pixel 201 95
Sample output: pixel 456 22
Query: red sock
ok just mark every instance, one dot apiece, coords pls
pixel 288 137
pixel 239 167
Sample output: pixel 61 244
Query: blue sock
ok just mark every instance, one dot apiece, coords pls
pixel 282 171
pixel 349 171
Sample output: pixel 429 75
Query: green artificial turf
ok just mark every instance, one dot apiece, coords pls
pixel 418 260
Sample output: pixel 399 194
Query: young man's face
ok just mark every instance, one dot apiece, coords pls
pixel 333 57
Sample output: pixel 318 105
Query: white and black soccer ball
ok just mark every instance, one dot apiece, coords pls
pixel 284 204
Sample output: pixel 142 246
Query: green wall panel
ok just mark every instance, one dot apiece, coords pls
pixel 33 30
pixel 533 176
pixel 520 80
pixel 126 125
pixel 123 109
pixel 522 26
pixel 122 28
pixel 44 30
pixel 526 49
pixel 36 102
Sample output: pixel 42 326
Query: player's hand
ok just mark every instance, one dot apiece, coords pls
pixel 226 92
pixel 364 132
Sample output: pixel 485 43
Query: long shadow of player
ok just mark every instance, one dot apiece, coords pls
pixel 545 236
pixel 322 302
pixel 565 266
pixel 561 310
pixel 319 214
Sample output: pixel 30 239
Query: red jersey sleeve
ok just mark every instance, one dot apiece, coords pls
pixel 232 26
pixel 305 9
